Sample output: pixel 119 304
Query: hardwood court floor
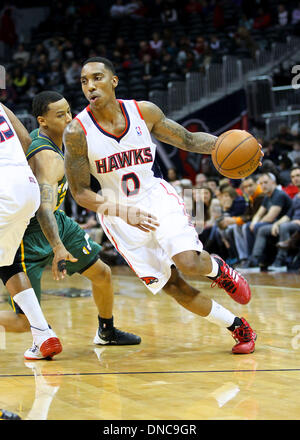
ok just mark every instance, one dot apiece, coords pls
pixel 183 369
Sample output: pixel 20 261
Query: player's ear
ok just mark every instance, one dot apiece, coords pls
pixel 42 122
pixel 115 81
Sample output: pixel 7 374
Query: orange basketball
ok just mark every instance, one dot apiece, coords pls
pixel 236 154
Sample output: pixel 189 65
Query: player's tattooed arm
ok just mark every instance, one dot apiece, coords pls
pixel 48 169
pixel 77 168
pixel 170 132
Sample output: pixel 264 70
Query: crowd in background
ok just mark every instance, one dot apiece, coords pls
pixel 151 42
pixel 253 223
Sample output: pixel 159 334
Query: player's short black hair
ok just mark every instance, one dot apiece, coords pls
pixel 42 100
pixel 108 64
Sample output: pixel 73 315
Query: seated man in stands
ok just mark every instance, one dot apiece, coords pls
pixel 233 205
pixel 236 226
pixel 275 204
pixel 288 224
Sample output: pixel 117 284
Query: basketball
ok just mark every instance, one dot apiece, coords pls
pixel 236 154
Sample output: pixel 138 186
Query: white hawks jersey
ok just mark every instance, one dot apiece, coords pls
pixel 11 151
pixel 123 164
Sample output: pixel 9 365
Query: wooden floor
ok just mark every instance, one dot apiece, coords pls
pixel 183 369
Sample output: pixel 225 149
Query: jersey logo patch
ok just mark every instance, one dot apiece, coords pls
pixel 139 131
pixel 149 280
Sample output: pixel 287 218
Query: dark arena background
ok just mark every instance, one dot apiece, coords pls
pixel 211 66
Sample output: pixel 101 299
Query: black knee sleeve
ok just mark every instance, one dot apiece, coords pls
pixel 6 272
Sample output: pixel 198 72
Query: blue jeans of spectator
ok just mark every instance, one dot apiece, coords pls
pixel 285 231
pixel 251 236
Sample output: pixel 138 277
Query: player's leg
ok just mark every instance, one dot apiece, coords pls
pixel 15 320
pixel 214 267
pixel 82 247
pixel 107 334
pixel 45 342
pixel 194 301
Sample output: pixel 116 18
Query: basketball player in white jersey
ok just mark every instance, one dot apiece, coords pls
pixel 140 212
pixel 19 200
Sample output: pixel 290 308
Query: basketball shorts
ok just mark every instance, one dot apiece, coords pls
pixel 149 254
pixel 19 200
pixel 36 252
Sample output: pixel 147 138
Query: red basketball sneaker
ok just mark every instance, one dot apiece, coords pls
pixel 232 282
pixel 245 338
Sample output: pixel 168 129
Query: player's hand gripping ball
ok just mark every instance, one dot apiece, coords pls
pixel 236 154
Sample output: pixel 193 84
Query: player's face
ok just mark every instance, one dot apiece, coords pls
pixel 98 84
pixel 57 117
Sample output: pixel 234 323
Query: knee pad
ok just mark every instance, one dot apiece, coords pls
pixel 6 272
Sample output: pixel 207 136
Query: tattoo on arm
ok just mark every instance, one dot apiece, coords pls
pixel 76 160
pixel 46 193
pixel 174 134
pixel 45 214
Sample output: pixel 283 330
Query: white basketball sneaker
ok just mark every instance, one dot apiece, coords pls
pixel 45 345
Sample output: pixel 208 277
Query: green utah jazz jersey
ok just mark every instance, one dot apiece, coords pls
pixel 42 142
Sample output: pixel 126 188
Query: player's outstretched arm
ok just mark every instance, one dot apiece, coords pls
pixel 170 132
pixel 19 128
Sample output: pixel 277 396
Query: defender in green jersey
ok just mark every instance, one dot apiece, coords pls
pixel 52 238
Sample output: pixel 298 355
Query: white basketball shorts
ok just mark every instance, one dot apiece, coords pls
pixel 19 200
pixel 149 254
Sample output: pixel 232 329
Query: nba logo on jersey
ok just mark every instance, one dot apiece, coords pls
pixel 139 131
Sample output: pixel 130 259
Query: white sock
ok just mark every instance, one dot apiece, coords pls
pixel 215 269
pixel 28 302
pixel 220 316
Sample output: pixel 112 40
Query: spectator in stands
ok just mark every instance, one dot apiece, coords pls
pixel 288 224
pixel 145 48
pixel 275 204
pixel 269 151
pixel 212 183
pixel 137 10
pixel 232 205
pixel 285 165
pixel 206 210
pixel 246 22
pixel 166 65
pixel 262 19
pixel 200 179
pixel 296 14
pixel 172 175
pixel 295 128
pixel 38 51
pixel 282 15
pixel 20 80
pixel 8 96
pixel 118 10
pixel 244 41
pixel 34 86
pixel 156 43
pixel 237 232
pixel 294 155
pixel 21 55
pixel 150 69
pixel 284 140
pixel 8 31
pixel 169 15
pixel 72 74
pixel 215 43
